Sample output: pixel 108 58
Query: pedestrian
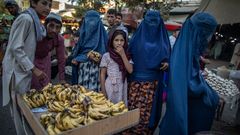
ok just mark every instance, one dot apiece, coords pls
pixel 150 50
pixel 12 7
pixel 115 65
pixel 53 41
pixel 191 102
pixel 89 49
pixel 173 37
pixel 18 64
pixel 111 18
pixel 235 60
pixel 119 22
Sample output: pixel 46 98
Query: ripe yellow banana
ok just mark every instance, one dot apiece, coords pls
pixel 26 99
pixel 50 129
pixel 67 122
pixel 96 115
pixel 57 130
pixel 57 104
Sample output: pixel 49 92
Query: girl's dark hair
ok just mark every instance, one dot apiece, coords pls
pixel 118 32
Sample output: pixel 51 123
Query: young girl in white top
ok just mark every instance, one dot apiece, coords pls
pixel 114 66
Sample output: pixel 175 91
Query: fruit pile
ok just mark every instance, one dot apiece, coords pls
pixel 71 106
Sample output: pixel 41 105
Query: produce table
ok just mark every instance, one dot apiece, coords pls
pixel 109 125
pixel 229 96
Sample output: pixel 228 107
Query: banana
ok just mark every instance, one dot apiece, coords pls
pixel 62 96
pixel 81 98
pixel 57 104
pixel 82 89
pixel 74 110
pixel 96 115
pixel 50 129
pixel 69 92
pixel 43 99
pixel 80 120
pixel 26 99
pixel 88 121
pixel 89 93
pixel 57 130
pixel 58 90
pixel 32 103
pixel 56 108
pixel 58 120
pixel 67 123
pixel 118 113
pixel 74 122
pixel 100 106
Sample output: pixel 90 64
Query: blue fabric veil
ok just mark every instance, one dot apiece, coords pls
pixel 93 36
pixel 149 47
pixel 191 102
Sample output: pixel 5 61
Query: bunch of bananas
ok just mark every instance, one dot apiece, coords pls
pixel 57 106
pixel 96 56
pixel 118 108
pixel 62 121
pixel 34 98
pixel 71 106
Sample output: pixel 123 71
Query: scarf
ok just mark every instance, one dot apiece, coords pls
pixel 39 28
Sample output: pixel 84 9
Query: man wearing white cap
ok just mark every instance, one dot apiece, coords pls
pixel 54 40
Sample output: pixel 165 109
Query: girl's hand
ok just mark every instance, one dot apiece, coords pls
pixel 164 66
pixel 120 50
pixel 74 62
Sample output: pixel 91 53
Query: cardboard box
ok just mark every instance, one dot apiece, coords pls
pixel 106 126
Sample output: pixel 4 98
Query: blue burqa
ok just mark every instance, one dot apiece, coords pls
pixel 93 36
pixel 191 102
pixel 149 47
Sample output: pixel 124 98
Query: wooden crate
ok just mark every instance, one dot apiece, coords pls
pixel 106 126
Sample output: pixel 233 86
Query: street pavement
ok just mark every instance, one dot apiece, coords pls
pixel 220 127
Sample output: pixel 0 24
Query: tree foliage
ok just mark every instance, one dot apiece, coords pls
pixel 2 8
pixel 163 5
pixel 84 5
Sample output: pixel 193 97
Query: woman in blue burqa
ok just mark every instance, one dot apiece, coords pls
pixel 191 102
pixel 93 38
pixel 149 49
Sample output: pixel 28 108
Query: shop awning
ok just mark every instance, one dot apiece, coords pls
pixel 172 26
pixel 225 11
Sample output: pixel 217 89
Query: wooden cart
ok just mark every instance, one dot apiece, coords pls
pixel 106 126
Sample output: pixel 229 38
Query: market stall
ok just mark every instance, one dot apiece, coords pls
pixel 228 92
pixel 70 110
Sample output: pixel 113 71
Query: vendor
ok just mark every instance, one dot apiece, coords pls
pixel 235 61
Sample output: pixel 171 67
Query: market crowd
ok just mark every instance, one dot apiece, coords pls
pixel 143 71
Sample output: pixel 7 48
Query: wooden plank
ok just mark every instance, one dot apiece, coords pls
pixel 33 121
pixel 108 126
